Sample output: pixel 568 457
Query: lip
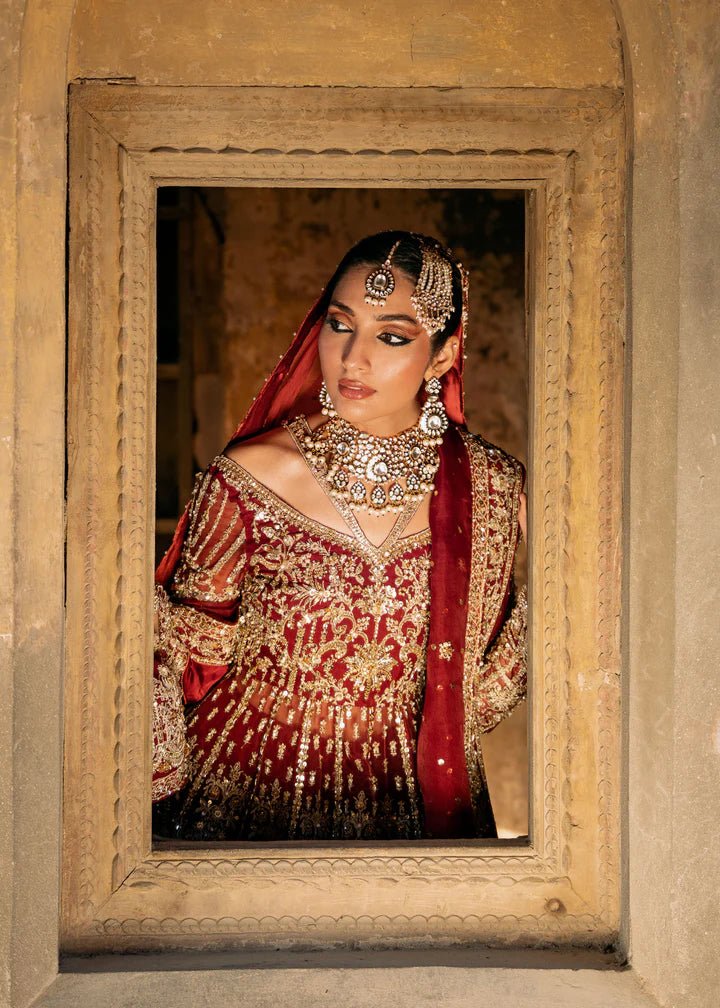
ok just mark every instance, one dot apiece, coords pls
pixel 354 390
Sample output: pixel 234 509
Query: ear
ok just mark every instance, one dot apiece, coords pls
pixel 443 360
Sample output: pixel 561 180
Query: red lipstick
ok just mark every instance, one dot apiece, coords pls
pixel 354 389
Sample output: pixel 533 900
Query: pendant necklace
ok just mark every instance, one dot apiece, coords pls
pixel 400 469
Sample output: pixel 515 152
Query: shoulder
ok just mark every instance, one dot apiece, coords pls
pixel 269 449
pixel 271 458
pixel 501 465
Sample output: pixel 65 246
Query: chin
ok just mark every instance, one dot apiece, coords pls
pixel 360 409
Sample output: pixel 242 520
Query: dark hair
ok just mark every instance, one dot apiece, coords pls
pixel 407 257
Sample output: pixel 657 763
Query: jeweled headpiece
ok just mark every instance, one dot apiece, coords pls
pixel 381 283
pixel 432 298
pixel 465 277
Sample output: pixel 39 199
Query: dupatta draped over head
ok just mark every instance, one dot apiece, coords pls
pixel 447 763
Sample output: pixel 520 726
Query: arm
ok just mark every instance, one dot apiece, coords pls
pixel 195 622
pixel 501 677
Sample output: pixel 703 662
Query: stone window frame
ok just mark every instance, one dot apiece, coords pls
pixel 567 150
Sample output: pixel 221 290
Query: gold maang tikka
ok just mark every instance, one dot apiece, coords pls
pixel 381 283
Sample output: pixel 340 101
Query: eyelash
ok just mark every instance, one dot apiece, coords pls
pixel 385 337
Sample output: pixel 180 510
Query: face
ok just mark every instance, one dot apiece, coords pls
pixel 374 359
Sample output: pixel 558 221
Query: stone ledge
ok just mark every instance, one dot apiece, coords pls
pixel 356 980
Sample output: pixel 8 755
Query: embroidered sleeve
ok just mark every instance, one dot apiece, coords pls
pixel 501 678
pixel 214 554
pixel 196 623
pixel 170 748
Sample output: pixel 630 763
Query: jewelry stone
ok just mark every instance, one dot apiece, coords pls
pixel 380 283
pixel 400 469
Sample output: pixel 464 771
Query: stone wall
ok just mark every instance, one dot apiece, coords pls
pixel 667 54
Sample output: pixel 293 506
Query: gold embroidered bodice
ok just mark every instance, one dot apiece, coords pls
pixel 300 652
pixel 312 732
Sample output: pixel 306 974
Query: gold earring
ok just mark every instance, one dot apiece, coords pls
pixel 327 409
pixel 433 418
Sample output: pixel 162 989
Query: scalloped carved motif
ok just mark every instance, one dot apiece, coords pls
pixel 563 887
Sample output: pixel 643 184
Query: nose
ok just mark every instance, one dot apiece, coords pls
pixel 355 355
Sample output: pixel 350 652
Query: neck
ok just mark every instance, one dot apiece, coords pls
pixel 384 427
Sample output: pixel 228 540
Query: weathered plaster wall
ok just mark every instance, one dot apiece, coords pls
pixel 9 49
pixel 673 643
pixel 672 635
pixel 407 43
pixel 696 700
pixel 651 400
pixel 33 107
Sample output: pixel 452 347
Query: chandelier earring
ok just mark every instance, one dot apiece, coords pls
pixel 326 404
pixel 433 419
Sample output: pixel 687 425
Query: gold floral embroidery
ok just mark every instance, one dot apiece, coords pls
pixel 312 731
pixel 214 551
pixel 170 747
pixel 497 480
pixel 276 508
pixel 501 678
pixel 327 668
pixel 445 650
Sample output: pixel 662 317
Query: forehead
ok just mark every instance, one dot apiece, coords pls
pixel 350 289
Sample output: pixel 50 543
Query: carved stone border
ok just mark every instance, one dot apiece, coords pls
pixel 565 149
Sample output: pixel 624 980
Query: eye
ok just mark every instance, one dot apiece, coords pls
pixel 393 339
pixel 337 325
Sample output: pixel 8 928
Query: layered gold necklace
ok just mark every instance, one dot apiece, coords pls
pixel 399 469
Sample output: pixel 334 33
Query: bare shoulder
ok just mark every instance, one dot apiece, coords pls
pixel 268 450
pixel 272 458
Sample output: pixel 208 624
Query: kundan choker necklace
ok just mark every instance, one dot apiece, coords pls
pixel 400 469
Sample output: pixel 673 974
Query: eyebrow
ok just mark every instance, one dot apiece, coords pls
pixel 381 318
pixel 397 318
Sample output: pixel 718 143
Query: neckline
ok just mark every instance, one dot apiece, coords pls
pixel 299 427
pixel 380 554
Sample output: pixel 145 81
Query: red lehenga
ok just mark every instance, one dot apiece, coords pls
pixel 309 685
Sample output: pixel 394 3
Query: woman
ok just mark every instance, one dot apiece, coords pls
pixel 336 618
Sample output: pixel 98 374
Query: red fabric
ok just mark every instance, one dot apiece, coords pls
pixel 442 770
pixel 298 693
pixel 291 389
pixel 199 678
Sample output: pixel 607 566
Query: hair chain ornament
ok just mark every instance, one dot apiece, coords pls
pixel 465 277
pixel 400 469
pixel 381 283
pixel 432 298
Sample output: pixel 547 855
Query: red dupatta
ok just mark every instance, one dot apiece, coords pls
pixel 292 388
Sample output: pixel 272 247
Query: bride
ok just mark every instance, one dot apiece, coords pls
pixel 336 619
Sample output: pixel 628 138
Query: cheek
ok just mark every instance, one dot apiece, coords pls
pixel 328 358
pixel 404 374
pixel 412 365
